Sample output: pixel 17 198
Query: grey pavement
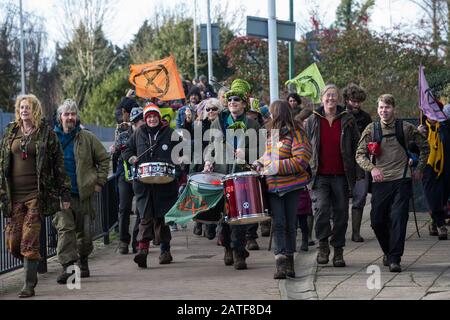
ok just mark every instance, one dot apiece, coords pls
pixel 198 273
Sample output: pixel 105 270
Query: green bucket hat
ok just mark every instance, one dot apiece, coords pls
pixel 240 88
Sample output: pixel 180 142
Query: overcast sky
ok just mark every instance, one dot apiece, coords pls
pixel 130 14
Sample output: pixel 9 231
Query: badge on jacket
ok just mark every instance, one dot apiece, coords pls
pixel 165 147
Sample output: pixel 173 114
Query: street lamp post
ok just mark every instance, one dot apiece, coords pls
pixel 273 51
pixel 22 58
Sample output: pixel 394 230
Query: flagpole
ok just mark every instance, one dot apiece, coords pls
pixel 195 40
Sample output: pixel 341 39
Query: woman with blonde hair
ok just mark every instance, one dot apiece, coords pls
pixel 33 183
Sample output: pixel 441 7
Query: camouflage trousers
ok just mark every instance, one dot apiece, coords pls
pixel 23 230
pixel 74 228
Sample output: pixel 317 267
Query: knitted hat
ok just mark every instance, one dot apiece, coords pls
pixel 240 88
pixel 136 114
pixel 254 105
pixel 151 107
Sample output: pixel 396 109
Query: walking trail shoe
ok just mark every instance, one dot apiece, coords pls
pixel 433 229
pixel 84 267
pixel 141 258
pixel 64 275
pixel 123 247
pixel 197 229
pixel 385 261
pixel 290 268
pixel 442 233
pixel 323 254
pixel 338 258
pixel 228 257
pixel 165 257
pixel 395 267
pixel 252 244
pixel 280 262
pixel 239 260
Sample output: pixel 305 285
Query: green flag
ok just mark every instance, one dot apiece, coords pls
pixel 309 83
pixel 196 202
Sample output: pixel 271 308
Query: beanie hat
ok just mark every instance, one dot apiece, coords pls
pixel 136 114
pixel 128 104
pixel 151 107
pixel 240 88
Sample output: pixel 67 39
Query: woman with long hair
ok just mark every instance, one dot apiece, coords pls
pixel 285 164
pixel 33 181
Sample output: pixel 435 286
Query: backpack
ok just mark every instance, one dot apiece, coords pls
pixel 399 134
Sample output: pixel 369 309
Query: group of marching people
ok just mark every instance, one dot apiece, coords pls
pixel 315 159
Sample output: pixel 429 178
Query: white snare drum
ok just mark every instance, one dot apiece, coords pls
pixel 156 172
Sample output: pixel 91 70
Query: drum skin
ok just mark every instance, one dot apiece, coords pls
pixel 244 196
pixel 156 173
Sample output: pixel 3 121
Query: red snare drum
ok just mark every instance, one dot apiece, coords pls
pixel 244 197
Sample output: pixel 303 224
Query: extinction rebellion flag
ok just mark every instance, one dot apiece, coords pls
pixel 427 102
pixel 309 83
pixel 196 202
pixel 158 79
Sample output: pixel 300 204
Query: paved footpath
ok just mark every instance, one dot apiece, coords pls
pixel 198 273
pixel 425 264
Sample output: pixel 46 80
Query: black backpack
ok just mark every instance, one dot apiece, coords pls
pixel 399 134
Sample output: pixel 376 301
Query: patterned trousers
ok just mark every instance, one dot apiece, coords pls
pixel 23 230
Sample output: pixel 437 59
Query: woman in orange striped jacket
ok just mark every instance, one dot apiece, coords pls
pixel 285 164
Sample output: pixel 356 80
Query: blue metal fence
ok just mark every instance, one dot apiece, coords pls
pixel 106 210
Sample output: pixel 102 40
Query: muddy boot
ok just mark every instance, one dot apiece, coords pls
pixel 30 278
pixel 324 252
pixel 290 268
pixel 141 258
pixel 65 275
pixel 228 257
pixel 123 247
pixel 310 221
pixel 239 259
pixel 165 257
pixel 198 229
pixel 356 224
pixel 84 267
pixel 338 258
pixel 280 262
pixel 442 233
pixel 432 228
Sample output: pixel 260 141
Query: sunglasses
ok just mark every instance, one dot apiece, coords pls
pixel 211 109
pixel 235 99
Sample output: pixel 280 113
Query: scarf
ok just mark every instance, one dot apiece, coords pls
pixel 436 157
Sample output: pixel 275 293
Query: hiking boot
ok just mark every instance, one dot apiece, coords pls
pixel 197 229
pixel 141 258
pixel 165 257
pixel 356 224
pixel 395 267
pixel 433 229
pixel 280 262
pixel 123 247
pixel 252 244
pixel 228 257
pixel 30 278
pixel 338 258
pixel 442 233
pixel 84 267
pixel 239 260
pixel 323 253
pixel 210 232
pixel 385 261
pixel 64 275
pixel 290 268
pixel 265 228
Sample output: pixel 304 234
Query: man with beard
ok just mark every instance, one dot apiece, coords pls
pixel 354 96
pixel 87 164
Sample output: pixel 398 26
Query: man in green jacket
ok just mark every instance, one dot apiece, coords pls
pixel 87 164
